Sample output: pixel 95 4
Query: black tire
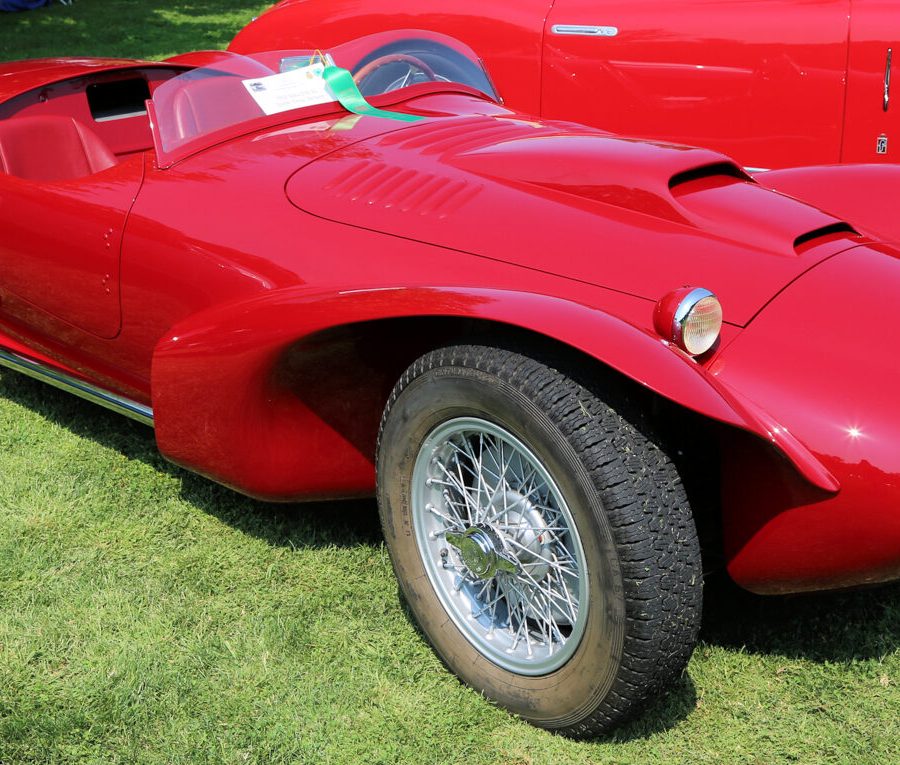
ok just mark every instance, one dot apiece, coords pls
pixel 629 510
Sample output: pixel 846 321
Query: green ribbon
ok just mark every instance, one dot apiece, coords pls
pixel 343 88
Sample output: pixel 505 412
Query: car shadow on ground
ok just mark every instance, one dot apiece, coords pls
pixel 833 627
pixel 841 627
pixel 347 523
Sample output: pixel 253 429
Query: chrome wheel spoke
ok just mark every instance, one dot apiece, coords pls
pixel 511 574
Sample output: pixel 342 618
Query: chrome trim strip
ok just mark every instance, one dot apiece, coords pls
pixel 584 30
pixel 887 80
pixel 80 388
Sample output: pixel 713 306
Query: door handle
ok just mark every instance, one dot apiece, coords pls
pixel 887 79
pixel 584 30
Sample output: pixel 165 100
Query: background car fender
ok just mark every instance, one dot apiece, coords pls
pixel 280 396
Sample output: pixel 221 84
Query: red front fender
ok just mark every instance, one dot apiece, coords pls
pixel 251 394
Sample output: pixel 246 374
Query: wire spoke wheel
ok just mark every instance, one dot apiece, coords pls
pixel 499 545
pixel 542 539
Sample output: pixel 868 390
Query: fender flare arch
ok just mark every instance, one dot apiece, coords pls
pixel 264 395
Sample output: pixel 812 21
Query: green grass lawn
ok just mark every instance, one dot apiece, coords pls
pixel 150 616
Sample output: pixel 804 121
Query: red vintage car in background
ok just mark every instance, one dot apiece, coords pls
pixel 552 352
pixel 772 83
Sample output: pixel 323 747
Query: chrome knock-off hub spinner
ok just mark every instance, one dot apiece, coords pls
pixel 482 551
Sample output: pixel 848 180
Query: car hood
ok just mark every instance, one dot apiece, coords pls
pixel 633 216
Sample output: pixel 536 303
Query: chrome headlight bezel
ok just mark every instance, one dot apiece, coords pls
pixel 678 313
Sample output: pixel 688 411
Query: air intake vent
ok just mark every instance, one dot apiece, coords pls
pixel 715 170
pixel 805 241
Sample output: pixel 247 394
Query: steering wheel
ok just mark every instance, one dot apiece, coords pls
pixel 413 62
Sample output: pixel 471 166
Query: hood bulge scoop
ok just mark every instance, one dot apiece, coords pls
pixel 633 216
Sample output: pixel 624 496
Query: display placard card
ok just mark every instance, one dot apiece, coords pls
pixel 289 90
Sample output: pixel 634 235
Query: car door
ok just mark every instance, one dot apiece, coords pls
pixel 872 129
pixel 59 253
pixel 761 80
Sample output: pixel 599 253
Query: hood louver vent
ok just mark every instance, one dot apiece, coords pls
pixel 716 170
pixel 811 238
pixel 401 189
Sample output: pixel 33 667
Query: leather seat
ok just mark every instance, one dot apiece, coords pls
pixel 51 148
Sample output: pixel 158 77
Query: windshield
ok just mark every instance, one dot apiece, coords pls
pixel 230 88
pixel 207 99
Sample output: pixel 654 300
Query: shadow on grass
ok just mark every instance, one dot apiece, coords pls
pixel 663 713
pixel 822 627
pixel 830 627
pixel 295 525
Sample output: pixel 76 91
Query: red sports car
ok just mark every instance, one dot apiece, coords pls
pixel 552 352
pixel 772 83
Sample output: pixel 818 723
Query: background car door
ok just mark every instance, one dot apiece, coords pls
pixel 872 130
pixel 761 80
pixel 506 33
pixel 59 252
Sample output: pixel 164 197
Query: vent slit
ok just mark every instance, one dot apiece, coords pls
pixel 419 195
pixel 716 169
pixel 820 233
pixel 441 199
pixel 341 182
pixel 389 191
pixel 371 183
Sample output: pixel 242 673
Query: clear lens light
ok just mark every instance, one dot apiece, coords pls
pixel 700 328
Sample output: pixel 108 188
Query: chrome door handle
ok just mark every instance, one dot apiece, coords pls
pixel 584 30
pixel 887 79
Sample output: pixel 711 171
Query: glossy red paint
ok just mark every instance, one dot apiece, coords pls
pixel 772 83
pixel 37 261
pixel 761 81
pixel 264 288
pixel 665 308
pixel 874 55
pixel 535 167
pixel 864 194
pixel 833 389
pixel 284 342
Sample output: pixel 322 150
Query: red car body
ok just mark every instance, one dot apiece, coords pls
pixel 256 288
pixel 772 83
pixel 149 278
